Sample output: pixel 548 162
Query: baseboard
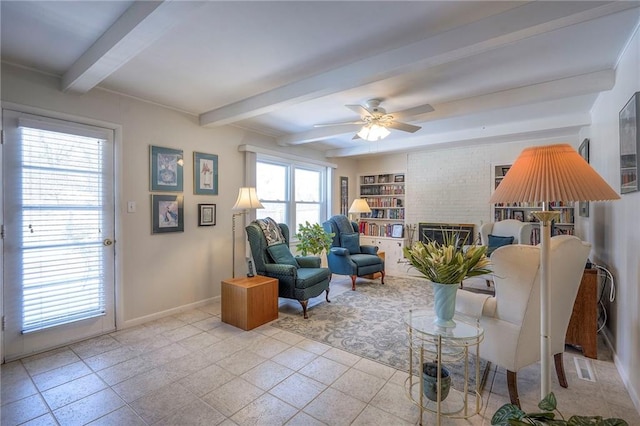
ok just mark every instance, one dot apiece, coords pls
pixel 635 398
pixel 173 311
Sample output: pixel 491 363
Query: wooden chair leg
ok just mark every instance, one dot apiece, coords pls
pixel 353 282
pixel 304 304
pixel 562 377
pixel 512 384
pixel 382 277
pixel 327 295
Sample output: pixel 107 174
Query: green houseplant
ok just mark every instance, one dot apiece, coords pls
pixel 446 265
pixel 313 239
pixel 511 415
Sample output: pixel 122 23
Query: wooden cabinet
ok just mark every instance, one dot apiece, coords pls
pixel 583 326
pixel 248 302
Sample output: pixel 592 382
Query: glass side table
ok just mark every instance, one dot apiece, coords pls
pixel 431 343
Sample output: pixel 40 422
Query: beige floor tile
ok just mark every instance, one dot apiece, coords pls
pixel 372 416
pixel 313 346
pixel 163 355
pixel 630 415
pixel 120 417
pixel 375 369
pixel 335 408
pixel 61 375
pixel 124 370
pixel 95 346
pixel 267 375
pixel 226 331
pixel 194 413
pixel 133 335
pixel 268 347
pixel 186 365
pixel 25 409
pixel 181 333
pixel 151 343
pixel 287 337
pixel 324 370
pixel 163 325
pixel 266 410
pixel 73 391
pixel 294 358
pixel 193 315
pixel 241 362
pixel 46 361
pixel 298 390
pixel 232 396
pixel 198 341
pixel 206 380
pixel 303 419
pixel 359 384
pixel 44 420
pixel 15 383
pixel 208 324
pixel 342 357
pixel 111 358
pixel 142 384
pixel 393 400
pixel 88 409
pixel 160 404
pixel 213 308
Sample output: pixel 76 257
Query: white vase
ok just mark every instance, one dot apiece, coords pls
pixel 444 304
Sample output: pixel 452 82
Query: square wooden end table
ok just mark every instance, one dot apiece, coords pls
pixel 248 302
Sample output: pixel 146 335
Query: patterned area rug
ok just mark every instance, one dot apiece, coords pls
pixel 368 322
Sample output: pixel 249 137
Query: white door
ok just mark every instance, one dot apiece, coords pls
pixel 59 232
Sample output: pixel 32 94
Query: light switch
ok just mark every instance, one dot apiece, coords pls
pixel 131 207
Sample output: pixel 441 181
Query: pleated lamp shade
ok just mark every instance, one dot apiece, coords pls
pixel 552 173
pixel 359 205
pixel 247 199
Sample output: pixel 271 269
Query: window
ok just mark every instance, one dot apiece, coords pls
pixel 291 192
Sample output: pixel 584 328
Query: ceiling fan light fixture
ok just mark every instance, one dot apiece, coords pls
pixel 373 132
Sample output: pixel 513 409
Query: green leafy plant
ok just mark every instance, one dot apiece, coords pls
pixel 511 415
pixel 313 239
pixel 449 262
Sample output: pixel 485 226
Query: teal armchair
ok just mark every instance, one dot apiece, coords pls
pixel 299 278
pixel 347 256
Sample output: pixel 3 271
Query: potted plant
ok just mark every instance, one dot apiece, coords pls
pixel 446 265
pixel 313 239
pixel 430 379
pixel 510 415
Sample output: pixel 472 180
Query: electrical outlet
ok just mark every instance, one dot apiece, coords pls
pixel 131 207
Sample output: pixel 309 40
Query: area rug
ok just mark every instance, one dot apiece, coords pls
pixel 368 322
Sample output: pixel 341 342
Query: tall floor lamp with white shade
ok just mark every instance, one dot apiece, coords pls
pixel 545 174
pixel 247 200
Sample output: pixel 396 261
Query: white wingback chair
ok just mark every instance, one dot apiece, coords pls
pixel 511 318
pixel 520 231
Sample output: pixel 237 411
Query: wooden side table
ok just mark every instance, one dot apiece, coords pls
pixel 249 302
pixel 583 326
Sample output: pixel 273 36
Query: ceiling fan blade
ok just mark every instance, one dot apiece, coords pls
pixel 413 112
pixel 360 110
pixel 404 127
pixel 344 123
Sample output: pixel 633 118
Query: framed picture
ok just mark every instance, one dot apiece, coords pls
pixel 398 178
pixel 629 145
pixel 518 215
pixel 166 213
pixel 206 214
pixel 397 230
pixel 583 206
pixel 505 170
pixel 344 195
pixel 166 169
pixel 368 179
pixel 205 174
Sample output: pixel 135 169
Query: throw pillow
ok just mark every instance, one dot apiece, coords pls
pixel 496 241
pixel 351 242
pixel 280 253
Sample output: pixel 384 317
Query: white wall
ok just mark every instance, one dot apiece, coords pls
pixel 612 227
pixel 163 272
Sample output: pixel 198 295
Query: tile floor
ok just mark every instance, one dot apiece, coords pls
pixel 191 369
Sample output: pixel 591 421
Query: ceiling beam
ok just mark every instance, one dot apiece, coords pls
pixel 563 126
pixel 139 26
pixel 557 89
pixel 531 19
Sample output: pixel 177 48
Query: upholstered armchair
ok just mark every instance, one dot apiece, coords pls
pixel 300 278
pixel 511 318
pixel 509 231
pixel 347 256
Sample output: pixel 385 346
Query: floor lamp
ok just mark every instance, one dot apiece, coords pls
pixel 544 174
pixel 247 200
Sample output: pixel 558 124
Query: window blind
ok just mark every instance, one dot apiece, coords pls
pixel 62 220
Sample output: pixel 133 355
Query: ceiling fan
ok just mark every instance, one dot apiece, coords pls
pixel 376 122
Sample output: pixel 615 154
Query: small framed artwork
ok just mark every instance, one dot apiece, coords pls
pixel 583 206
pixel 205 174
pixel 166 169
pixel 167 214
pixel 344 195
pixel 398 178
pixel 629 145
pixel 397 230
pixel 518 215
pixel 368 179
pixel 505 170
pixel 206 214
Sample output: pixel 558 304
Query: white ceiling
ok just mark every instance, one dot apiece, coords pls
pixel 493 71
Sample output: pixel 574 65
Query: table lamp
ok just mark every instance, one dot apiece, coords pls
pixel 358 206
pixel 247 200
pixel 544 174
